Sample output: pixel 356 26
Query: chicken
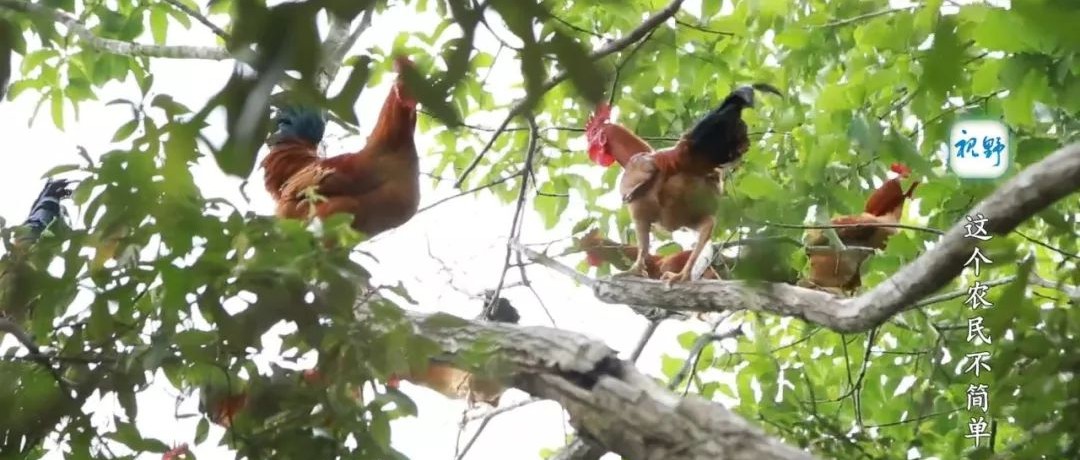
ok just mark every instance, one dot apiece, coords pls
pixel 379 185
pixel 17 296
pixel 837 270
pixel 599 250
pixel 677 187
pixel 455 383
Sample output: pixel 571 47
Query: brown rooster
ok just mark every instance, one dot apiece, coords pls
pixel 837 270
pixel 678 187
pixel 379 185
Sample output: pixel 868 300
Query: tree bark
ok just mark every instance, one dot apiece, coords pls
pixel 626 411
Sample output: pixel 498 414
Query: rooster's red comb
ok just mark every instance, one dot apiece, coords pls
pixel 900 169
pixel 594 134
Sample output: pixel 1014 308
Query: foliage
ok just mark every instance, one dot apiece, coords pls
pixel 869 85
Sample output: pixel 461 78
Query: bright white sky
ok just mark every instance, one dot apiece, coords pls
pixel 471 248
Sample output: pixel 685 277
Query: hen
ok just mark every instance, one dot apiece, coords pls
pixel 599 250
pixel 680 186
pixel 455 383
pixel 835 269
pixel 379 185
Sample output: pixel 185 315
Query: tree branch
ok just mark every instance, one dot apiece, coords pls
pixel 199 17
pixel 861 17
pixel 339 40
pixel 607 398
pixel 1029 192
pixel 612 47
pixel 108 45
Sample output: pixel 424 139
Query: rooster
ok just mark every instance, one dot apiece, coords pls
pixel 455 383
pixel 834 269
pixel 677 187
pixel 599 250
pixel 16 299
pixel 379 185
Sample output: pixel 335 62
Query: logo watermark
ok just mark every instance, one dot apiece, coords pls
pixel 979 149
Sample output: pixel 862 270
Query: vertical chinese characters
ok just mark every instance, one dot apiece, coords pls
pixel 978 398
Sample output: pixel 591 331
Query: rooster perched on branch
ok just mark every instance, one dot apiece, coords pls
pixel 379 185
pixel 677 187
pixel 834 269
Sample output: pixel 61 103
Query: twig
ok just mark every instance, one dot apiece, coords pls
pixel 612 47
pixel 695 353
pixel 1047 246
pixel 650 329
pixel 868 224
pixel 703 29
pixel 854 19
pixel 470 191
pixel 35 354
pixel 553 264
pixel 519 210
pixel 199 17
pixel 338 43
pixel 108 45
pixel 486 419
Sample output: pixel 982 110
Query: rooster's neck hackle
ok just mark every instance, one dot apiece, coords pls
pixel 397 119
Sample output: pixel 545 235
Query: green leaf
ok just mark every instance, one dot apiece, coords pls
pixel 202 430
pixel 1019 105
pixel 589 78
pixel 56 100
pixel 757 186
pixel 125 131
pixel 985 79
pixel 159 25
pixel 59 169
pixel 943 63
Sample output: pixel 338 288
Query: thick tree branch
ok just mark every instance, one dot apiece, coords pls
pixel 108 45
pixel 1029 192
pixel 607 398
pixel 612 47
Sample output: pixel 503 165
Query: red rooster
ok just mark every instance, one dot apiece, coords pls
pixel 379 185
pixel 838 270
pixel 680 186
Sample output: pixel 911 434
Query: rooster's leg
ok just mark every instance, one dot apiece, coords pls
pixel 642 229
pixel 704 235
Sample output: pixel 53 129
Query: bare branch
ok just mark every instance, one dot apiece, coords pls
pixel 607 398
pixel 863 17
pixel 108 45
pixel 614 46
pixel 339 40
pixel 695 353
pixel 1030 191
pixel 199 17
